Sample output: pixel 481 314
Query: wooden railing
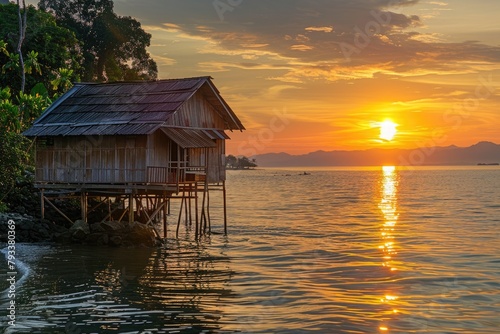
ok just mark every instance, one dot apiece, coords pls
pixel 174 173
pixel 177 171
pixel 88 175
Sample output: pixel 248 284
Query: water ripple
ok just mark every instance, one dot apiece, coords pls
pixel 338 251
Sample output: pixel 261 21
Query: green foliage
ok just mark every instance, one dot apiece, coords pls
pixel 31 107
pixel 111 48
pixel 3 207
pixel 46 49
pixel 9 112
pixel 17 115
pixel 52 61
pixel 63 79
pixel 14 150
pixel 31 64
pixel 12 64
pixel 114 47
pixel 3 48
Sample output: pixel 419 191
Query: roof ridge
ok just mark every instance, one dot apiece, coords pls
pixel 140 81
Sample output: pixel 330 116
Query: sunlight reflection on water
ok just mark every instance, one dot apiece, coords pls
pixel 337 251
pixel 388 206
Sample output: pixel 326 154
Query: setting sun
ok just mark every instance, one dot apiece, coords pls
pixel 387 130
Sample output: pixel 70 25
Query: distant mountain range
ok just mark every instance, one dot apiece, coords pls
pixel 480 153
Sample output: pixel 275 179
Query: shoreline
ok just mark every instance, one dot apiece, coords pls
pixel 29 229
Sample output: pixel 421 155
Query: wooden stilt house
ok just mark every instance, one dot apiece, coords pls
pixel 134 139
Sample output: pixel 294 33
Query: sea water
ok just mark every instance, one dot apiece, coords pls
pixel 339 250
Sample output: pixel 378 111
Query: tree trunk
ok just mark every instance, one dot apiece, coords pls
pixel 22 35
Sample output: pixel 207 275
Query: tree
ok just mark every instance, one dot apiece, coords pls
pixel 114 47
pixel 231 161
pixel 24 78
pixel 22 21
pixel 242 162
pixel 245 163
pixel 47 48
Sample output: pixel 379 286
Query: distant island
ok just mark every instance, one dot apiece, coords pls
pixel 241 162
pixel 482 153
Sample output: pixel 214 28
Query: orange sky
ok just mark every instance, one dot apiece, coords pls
pixel 321 75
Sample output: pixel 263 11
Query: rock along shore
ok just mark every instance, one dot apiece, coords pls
pixel 29 229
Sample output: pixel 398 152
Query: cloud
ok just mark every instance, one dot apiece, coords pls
pixel 163 60
pixel 333 37
pixel 320 29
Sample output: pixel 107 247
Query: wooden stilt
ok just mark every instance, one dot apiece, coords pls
pixel 208 213
pixel 84 205
pixel 110 215
pixel 165 225
pixel 109 207
pixel 179 219
pixel 59 211
pixel 196 203
pixel 186 209
pixel 203 218
pixel 42 204
pixel 95 207
pixel 131 209
pixel 138 207
pixel 205 193
pixel 225 207
pixel 125 211
pixel 190 195
pixel 151 218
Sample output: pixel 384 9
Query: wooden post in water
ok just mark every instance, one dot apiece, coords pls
pixel 165 226
pixel 179 219
pixel 131 208
pixel 203 218
pixel 109 206
pixel 208 212
pixel 225 208
pixel 42 200
pixel 190 196
pixel 196 203
pixel 186 207
pixel 84 205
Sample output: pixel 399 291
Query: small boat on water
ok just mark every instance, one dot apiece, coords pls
pixel 488 164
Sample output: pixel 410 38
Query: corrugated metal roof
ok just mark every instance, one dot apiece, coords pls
pixel 216 134
pixel 189 138
pixel 125 107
